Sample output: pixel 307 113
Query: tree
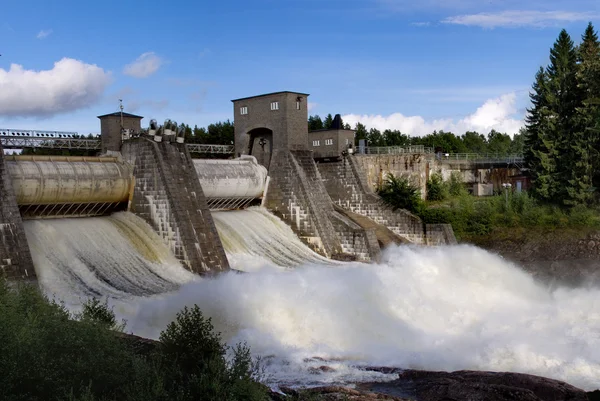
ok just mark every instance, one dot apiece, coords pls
pixel 315 123
pixel 221 133
pixel 588 115
pixel 498 143
pixel 361 133
pixel 534 139
pixel 517 143
pixel 328 121
pixel 395 138
pixel 474 142
pixel 570 180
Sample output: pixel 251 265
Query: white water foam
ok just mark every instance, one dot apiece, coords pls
pixel 443 308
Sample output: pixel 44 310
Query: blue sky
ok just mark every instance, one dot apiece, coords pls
pixel 411 65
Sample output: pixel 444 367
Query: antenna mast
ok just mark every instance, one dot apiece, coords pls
pixel 121 108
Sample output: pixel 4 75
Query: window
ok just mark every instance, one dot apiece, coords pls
pixel 244 110
pixel 328 141
pixel 274 105
pixel 316 143
pixel 297 105
pixel 347 141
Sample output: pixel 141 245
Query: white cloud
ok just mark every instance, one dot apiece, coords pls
pixel 70 85
pixel 498 113
pixel 311 106
pixel 520 18
pixel 44 33
pixel 144 66
pixel 420 24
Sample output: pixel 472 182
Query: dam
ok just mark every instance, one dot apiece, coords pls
pixel 153 229
pixel 153 175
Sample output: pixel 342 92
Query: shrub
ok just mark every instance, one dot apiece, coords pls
pixel 456 186
pixel 436 189
pixel 399 193
pixel 96 312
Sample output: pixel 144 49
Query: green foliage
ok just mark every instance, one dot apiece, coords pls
pixel 399 193
pixel 561 144
pixel 48 354
pixel 436 188
pixel 456 185
pixel 473 216
pixel 99 313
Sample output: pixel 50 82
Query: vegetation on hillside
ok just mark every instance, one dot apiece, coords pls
pixel 46 353
pixel 448 202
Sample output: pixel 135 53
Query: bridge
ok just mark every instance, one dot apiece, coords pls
pixel 20 139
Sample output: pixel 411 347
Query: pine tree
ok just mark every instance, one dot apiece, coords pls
pixel 588 77
pixel 328 122
pixel 537 158
pixel 560 139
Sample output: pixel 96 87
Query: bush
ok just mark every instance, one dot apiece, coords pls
pixel 456 186
pixel 399 193
pixel 436 188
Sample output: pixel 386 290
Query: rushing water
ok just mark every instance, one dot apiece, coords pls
pixel 253 237
pixel 440 308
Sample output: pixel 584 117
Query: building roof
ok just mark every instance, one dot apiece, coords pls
pixel 270 94
pixel 118 114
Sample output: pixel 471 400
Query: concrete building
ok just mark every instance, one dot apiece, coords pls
pixel 330 143
pixel 270 122
pixel 110 129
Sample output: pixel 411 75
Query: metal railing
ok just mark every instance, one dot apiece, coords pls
pixel 8 142
pixel 480 158
pixel 210 149
pixel 395 150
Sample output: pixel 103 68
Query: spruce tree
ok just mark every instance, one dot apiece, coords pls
pixel 538 147
pixel 588 124
pixel 560 139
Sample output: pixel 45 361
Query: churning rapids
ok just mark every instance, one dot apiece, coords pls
pixel 441 308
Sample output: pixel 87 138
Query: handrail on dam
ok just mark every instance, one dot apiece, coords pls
pixel 59 158
pixel 397 150
pixel 480 158
pixel 19 139
pixel 20 142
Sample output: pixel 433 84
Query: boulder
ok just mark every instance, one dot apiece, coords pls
pixel 474 386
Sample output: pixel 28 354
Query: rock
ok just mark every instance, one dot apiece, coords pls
pixel 474 386
pixel 331 393
pixel 321 369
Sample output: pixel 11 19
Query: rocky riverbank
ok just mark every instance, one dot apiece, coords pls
pixel 416 385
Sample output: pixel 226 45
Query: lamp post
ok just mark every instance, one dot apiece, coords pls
pixel 507 186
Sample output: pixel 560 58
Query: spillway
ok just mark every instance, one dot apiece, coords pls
pixel 119 256
pixel 254 236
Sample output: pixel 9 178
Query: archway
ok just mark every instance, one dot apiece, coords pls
pixel 260 145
